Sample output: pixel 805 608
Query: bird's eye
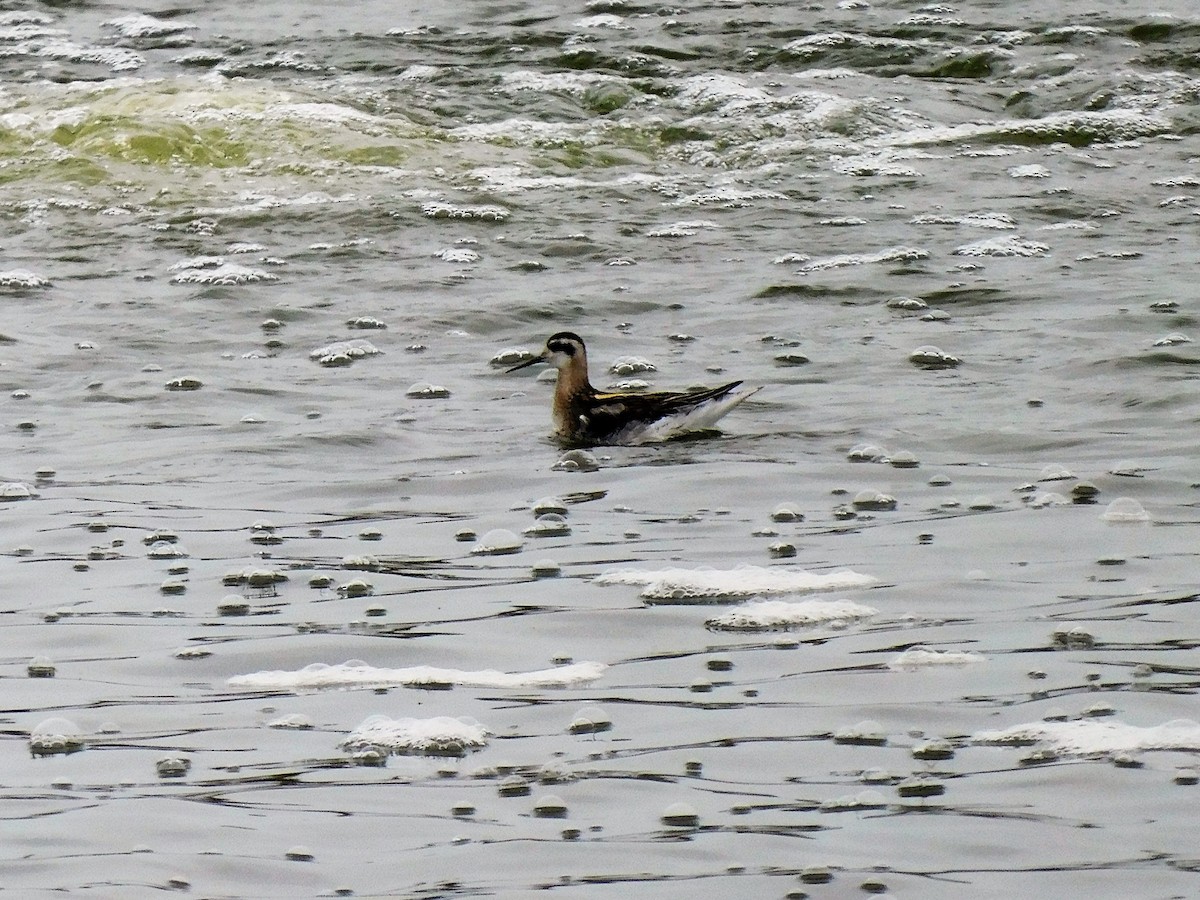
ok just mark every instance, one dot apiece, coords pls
pixel 562 347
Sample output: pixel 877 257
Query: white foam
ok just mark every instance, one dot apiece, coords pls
pixel 1089 736
pixel 992 220
pixel 700 585
pixel 1106 125
pixel 416 735
pixel 769 615
pixel 1009 245
pixel 924 657
pixel 554 82
pixel 143 26
pixel 356 674
pixel 20 278
pixel 227 274
pixel 891 254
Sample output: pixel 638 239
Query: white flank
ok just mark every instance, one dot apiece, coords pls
pixel 699 418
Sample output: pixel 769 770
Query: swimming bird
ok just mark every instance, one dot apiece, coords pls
pixel 586 416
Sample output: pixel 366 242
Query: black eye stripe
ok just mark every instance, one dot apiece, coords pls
pixel 562 347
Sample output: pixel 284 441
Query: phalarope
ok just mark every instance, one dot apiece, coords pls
pixel 584 415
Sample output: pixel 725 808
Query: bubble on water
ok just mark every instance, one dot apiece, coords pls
pixel 700 686
pixel 1048 498
pixel 193 653
pixel 931 357
pixel 497 542
pixel 904 459
pixel 1039 756
pixel 816 875
pixel 226 275
pixel 550 806
pixel 1084 492
pixel 272 325
pixel 890 254
pixel 864 800
pixel 172 586
pixel 867 733
pixel 370 534
pixel 876 776
pixel 439 210
pixel 678 585
pixel 361 563
pixel 1187 777
pixel 299 853
pixel 343 353
pixel 874 501
pixel 546 569
pixel 576 461
pixel 511 356
pixel 630 385
pixel 293 722
pixel 781 550
pixel 590 719
pixel 920 786
pixel 233 605
pixel 1098 710
pixel 548 525
pixel 21 280
pixel 791 359
pixel 459 255
pixel 917 658
pixel 786 512
pixel 465 535
pixel 936 315
pixel 365 323
pixel 933 750
pixel 982 503
pixel 1074 638
pixel 907 304
pixel 264 579
pixel 55 735
pixel 1125 510
pixel 165 550
pixel 439 736
pixel 1007 246
pixel 549 505
pixel 514 786
pixel 14 490
pixel 423 390
pixel 184 384
pixel 41 667
pixel 1172 340
pixel 781 615
pixel 866 453
pixel 631 365
pixel 357 587
pixel 1055 472
pixel 680 815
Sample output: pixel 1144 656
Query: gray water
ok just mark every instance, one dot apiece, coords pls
pixel 203 209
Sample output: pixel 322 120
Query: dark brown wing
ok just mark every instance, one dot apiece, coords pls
pixel 611 413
